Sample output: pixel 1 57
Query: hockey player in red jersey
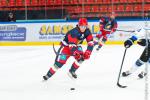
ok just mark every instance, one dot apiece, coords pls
pixel 71 46
pixel 107 26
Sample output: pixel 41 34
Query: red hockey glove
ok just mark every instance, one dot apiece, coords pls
pixel 87 54
pixel 78 54
pixel 113 30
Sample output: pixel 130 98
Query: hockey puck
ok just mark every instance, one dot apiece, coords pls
pixel 72 88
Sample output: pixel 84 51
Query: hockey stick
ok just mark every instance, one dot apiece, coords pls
pixel 118 84
pixel 55 50
pixel 124 30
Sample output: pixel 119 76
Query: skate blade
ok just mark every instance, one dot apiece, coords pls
pixel 71 76
pixel 44 80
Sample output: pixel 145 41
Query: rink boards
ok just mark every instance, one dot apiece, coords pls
pixel 47 33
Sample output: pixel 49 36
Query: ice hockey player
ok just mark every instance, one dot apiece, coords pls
pixel 107 26
pixel 71 46
pixel 142 39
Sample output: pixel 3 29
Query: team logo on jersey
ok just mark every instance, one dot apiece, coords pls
pixel 108 26
pixel 81 37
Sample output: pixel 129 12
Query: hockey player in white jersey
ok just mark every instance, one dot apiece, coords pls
pixel 142 36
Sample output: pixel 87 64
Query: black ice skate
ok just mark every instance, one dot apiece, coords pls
pixel 72 74
pixel 125 74
pixel 97 49
pixel 142 74
pixel 46 77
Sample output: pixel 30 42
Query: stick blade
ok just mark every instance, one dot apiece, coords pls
pixel 121 86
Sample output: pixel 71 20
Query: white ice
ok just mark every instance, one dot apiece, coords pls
pixel 22 68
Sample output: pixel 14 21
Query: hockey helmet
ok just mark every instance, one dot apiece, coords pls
pixel 83 22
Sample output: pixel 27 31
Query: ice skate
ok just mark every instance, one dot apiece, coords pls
pixel 125 74
pixel 72 74
pixel 46 77
pixel 97 49
pixel 142 74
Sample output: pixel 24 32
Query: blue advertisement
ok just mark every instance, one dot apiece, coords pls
pixel 12 33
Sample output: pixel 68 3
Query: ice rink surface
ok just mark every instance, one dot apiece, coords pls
pixel 22 68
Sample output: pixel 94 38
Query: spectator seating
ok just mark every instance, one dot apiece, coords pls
pixel 75 7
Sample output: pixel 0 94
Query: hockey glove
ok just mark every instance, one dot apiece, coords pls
pixel 128 43
pixel 142 42
pixel 78 53
pixel 72 48
pixel 113 30
pixel 87 54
